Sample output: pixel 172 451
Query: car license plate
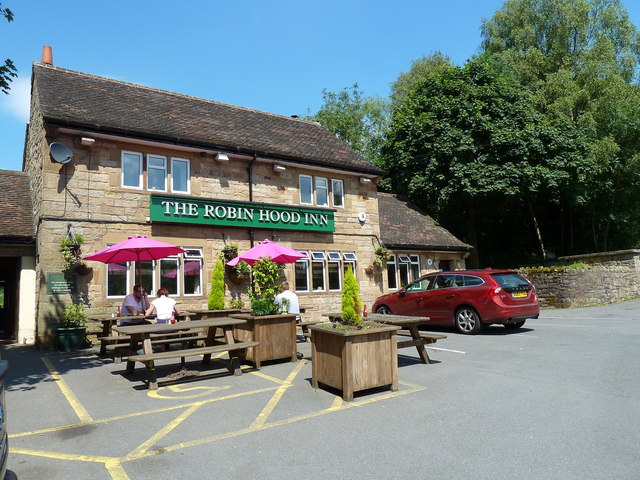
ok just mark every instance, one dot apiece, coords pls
pixel 519 294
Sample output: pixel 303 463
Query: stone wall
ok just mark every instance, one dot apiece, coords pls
pixel 592 279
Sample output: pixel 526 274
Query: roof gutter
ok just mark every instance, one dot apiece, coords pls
pixel 179 142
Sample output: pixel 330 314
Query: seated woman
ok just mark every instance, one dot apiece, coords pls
pixel 164 306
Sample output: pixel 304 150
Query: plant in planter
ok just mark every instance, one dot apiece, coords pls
pixel 230 251
pixel 266 273
pixel 70 252
pixel 351 305
pixel 275 332
pixel 242 269
pixel 236 304
pixel 216 294
pixel 381 256
pixel 351 354
pixel 72 328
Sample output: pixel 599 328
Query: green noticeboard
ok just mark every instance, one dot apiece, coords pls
pixel 62 283
pixel 165 208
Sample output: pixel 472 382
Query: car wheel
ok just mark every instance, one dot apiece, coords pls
pixel 514 326
pixel 468 321
pixel 383 310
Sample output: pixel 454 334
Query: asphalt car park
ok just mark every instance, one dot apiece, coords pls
pixel 556 399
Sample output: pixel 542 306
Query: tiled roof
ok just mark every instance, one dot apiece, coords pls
pixel 111 106
pixel 403 226
pixel 16 221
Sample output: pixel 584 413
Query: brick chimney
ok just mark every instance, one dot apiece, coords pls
pixel 47 55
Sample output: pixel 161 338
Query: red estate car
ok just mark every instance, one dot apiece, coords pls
pixel 468 299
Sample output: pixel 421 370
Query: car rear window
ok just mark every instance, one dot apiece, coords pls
pixel 511 281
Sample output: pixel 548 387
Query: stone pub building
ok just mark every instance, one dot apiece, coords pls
pixel 198 174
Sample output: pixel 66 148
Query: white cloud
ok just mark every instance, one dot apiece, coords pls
pixel 17 103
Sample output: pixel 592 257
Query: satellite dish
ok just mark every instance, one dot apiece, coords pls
pixel 60 153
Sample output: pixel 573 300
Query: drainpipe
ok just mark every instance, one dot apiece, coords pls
pixel 250 178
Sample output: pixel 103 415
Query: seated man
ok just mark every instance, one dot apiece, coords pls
pixel 286 294
pixel 135 304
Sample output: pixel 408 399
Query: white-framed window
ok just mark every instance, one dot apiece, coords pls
pixel 334 272
pixel 301 274
pixel 180 175
pixel 192 271
pixel 404 264
pixel 414 260
pixel 169 274
pixel 349 261
pixel 322 192
pixel 157 172
pixel 306 189
pixel 315 191
pixel 392 272
pixel 147 276
pixel 318 265
pixel 337 192
pixel 117 279
pixel 131 168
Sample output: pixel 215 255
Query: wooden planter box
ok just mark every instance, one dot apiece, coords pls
pixel 276 334
pixel 354 360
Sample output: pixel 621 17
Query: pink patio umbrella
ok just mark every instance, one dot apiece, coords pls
pixel 268 249
pixel 136 248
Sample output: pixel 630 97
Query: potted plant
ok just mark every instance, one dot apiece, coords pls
pixel 72 328
pixel 381 256
pixel 230 251
pixel 350 353
pixel 216 294
pixel 239 272
pixel 275 331
pixel 70 252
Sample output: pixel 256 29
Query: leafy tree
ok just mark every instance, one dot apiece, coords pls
pixel 357 120
pixel 8 70
pixel 580 59
pixel 216 294
pixel 408 81
pixel 468 139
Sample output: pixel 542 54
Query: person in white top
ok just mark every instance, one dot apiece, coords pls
pixel 135 303
pixel 164 306
pixel 285 293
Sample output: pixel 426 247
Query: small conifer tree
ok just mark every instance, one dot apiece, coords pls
pixel 351 305
pixel 216 294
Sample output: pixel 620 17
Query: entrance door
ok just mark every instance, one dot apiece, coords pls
pixel 8 297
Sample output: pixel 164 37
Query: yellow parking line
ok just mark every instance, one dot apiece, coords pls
pixel 61 456
pixel 336 406
pixel 83 415
pixel 141 449
pixel 268 377
pixel 115 469
pixel 277 396
pixel 139 414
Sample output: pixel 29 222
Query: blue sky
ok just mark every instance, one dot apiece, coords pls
pixel 274 55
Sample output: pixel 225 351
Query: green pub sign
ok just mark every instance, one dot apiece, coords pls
pixel 239 214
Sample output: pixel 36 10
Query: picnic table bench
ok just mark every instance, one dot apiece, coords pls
pixel 409 325
pixel 142 334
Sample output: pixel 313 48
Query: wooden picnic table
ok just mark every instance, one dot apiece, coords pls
pixel 410 326
pixel 141 334
pixel 108 322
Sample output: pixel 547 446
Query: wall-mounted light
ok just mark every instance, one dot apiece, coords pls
pixel 279 168
pixel 222 157
pixel 365 180
pixel 87 141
